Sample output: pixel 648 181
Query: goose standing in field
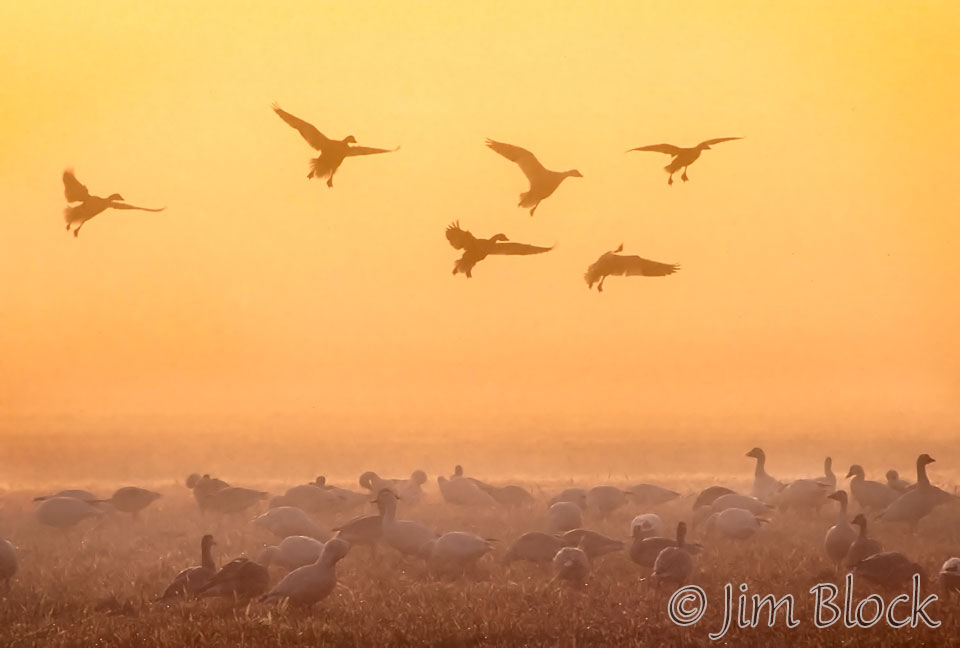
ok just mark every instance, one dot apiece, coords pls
pixel 803 495
pixel 829 477
pixel 651 494
pixel 84 495
pixel 674 564
pixel 543 182
pixel 349 499
pixel 571 564
pixel 311 583
pixel 315 500
pixel 870 495
pixel 645 549
pixel 204 488
pixel 405 536
pixel 411 490
pixel 284 521
pixel 593 543
pixel 132 499
pixel 535 546
pixel 192 579
pixel 476 249
pixel 456 551
pixel 863 545
pixel 735 523
pixel 292 552
pixel 613 263
pixel 65 512
pixel 8 562
pixel 240 579
pixel 890 569
pixel 897 484
pixel 732 500
pixel 563 516
pixel 841 535
pixel 682 157
pixel 461 491
pixel 917 502
pixel 708 495
pixel 234 499
pixel 765 487
pixel 576 496
pixel 950 577
pixel 647 525
pixel 364 530
pixel 89 205
pixel 510 496
pixel 332 152
pixel 604 500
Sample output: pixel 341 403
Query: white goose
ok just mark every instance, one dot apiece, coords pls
pixel 535 546
pixel 736 523
pixel 8 562
pixel 604 500
pixel 897 484
pixel 456 551
pixel 292 552
pixel 403 535
pixel 841 535
pixel 462 491
pixel 65 512
pixel 311 583
pixel 563 516
pixel 917 502
pixel 646 525
pixel 572 565
pixel 284 521
pixel 950 576
pixel 870 495
pixel 765 487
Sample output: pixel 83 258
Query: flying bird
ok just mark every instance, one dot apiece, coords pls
pixel 543 182
pixel 332 152
pixel 89 205
pixel 682 157
pixel 476 250
pixel 613 263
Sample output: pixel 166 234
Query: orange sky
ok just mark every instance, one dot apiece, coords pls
pixel 819 278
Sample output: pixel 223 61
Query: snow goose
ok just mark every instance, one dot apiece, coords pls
pixel 651 494
pixel 735 523
pixel 511 495
pixel 535 546
pixel 644 550
pixel 841 535
pixel 411 490
pixel 284 521
pixel 897 484
pixel 917 502
pixel 890 569
pixel 731 500
pixel 863 545
pixel 803 494
pixel 292 552
pixel 577 496
pixel 829 477
pixel 241 579
pixel 405 536
pixel 204 487
pixel 363 530
pixel 563 516
pixel 571 564
pixel 234 499
pixel 8 562
pixel 765 487
pixel 543 181
pixel 647 525
pixel 314 500
pixel 950 576
pixel 674 564
pixel 455 551
pixel 593 543
pixel 604 500
pixel 190 580
pixel 311 583
pixel 870 495
pixel 132 499
pixel 462 491
pixel 708 495
pixel 65 512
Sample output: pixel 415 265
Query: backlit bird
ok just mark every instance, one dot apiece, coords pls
pixel 543 182
pixel 613 263
pixel 682 157
pixel 476 249
pixel 90 205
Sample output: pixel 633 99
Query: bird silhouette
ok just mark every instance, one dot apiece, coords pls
pixel 682 157
pixel 476 249
pixel 332 152
pixel 543 182
pixel 90 205
pixel 612 263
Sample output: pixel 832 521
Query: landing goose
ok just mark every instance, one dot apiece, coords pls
pixel 543 182
pixel 682 157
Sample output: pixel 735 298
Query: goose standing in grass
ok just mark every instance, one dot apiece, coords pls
pixel 535 546
pixel 234 499
pixel 315 500
pixel 510 496
pixel 456 551
pixel 461 491
pixel 311 583
pixel 708 495
pixel 674 564
pixel 292 552
pixel 651 494
pixel 765 487
pixel 192 579
pixel 284 521
pixel 604 500
pixel 90 205
pixel 240 579
pixel 803 495
pixel 917 502
pixel 8 562
pixel 732 500
pixel 204 488
pixel 410 490
pixel 563 516
pixel 576 496
pixel 682 157
pixel 870 495
pixel 645 549
pixel 543 182
pixel 950 577
pixel 841 535
pixel 897 484
pixel 332 152
pixel 614 263
pixel 348 499
pixel 735 523
pixel 572 565
pixel 476 249
pixel 593 543
pixel 405 536
pixel 65 512
pixel 863 545
pixel 647 525
pixel 890 569
pixel 132 499
pixel 829 477
pixel 364 530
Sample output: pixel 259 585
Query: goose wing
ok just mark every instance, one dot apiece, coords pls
pixel 711 142
pixel 669 149
pixel 526 160
pixel 368 150
pixel 635 265
pixel 126 206
pixel 509 247
pixel 460 239
pixel 73 189
pixel 314 138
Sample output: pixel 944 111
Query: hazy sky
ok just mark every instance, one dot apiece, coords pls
pixel 819 267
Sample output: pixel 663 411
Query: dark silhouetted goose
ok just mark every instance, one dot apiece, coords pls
pixel 476 250
pixel 283 521
pixel 863 545
pixel 510 496
pixel 332 152
pixel 204 488
pixel 613 263
pixel 410 490
pixel 575 495
pixel 709 494
pixel 535 546
pixel 917 502
pixel 594 543
pixel 132 499
pixel 241 579
pixel 405 536
pixel 316 500
pixel 84 495
pixel 651 494
pixel 8 562
pixel 65 512
pixel 192 579
pixel 890 569
pixel 765 487
pixel 311 583
pixel 829 477
pixel 572 565
pixel 841 535
pixel 234 499
pixel 950 576
pixel 461 491
pixel 89 205
pixel 543 182
pixel 682 157
pixel 604 500
pixel 563 516
pixel 292 552
pixel 870 495
pixel 897 484
pixel 674 564
pixel 645 549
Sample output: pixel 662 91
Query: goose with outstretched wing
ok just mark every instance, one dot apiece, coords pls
pixel 477 249
pixel 682 157
pixel 543 182
pixel 89 205
pixel 614 263
pixel 332 152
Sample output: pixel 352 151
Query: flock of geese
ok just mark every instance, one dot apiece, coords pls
pixel 543 183
pixel 310 552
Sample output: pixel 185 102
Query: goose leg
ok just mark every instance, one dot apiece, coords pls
pixel 534 208
pixel 684 176
pixel 330 180
pixel 76 232
pixel 670 179
pixel 600 285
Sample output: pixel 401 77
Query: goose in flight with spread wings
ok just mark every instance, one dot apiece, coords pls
pixel 476 250
pixel 613 263
pixel 89 205
pixel 543 182
pixel 682 157
pixel 332 152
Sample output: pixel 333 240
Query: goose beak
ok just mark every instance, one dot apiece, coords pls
pixel 849 475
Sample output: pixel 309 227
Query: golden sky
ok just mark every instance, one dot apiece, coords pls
pixel 819 274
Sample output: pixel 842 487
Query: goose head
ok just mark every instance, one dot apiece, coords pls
pixel 856 470
pixel 925 459
pixel 349 139
pixel 321 480
pixel 892 475
pixel 114 196
pixel 573 173
pixel 840 496
pixel 498 237
pixel 418 477
pixel 192 480
pixel 206 542
pixel 458 471
pixel 861 521
pixel 757 453
pixel 333 550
